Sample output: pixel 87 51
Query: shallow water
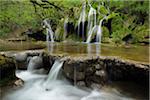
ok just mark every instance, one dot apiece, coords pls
pixel 136 53
pixel 34 89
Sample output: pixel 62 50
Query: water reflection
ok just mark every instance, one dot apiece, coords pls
pixel 50 47
pixel 89 49
pixel 98 49
pixel 83 49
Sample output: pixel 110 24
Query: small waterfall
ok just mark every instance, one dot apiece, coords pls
pixel 98 34
pixel 34 63
pixel 82 20
pixel 91 32
pixel 91 19
pixel 99 31
pixel 65 28
pixel 50 33
pixel 53 74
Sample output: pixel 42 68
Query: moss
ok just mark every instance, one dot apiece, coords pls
pixel 4 60
pixel 7 81
pixel 7 70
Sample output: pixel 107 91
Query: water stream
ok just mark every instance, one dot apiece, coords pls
pixel 56 89
pixel 49 32
pixel 91 19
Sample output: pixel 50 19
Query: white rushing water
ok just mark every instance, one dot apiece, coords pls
pixel 97 28
pixel 91 32
pixel 53 74
pixel 65 28
pixel 91 19
pixel 99 31
pixel 49 32
pixel 56 89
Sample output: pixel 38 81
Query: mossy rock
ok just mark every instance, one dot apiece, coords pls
pixel 7 70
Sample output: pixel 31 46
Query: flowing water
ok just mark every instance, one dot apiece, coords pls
pixel 49 87
pixel 50 33
pixel 99 31
pixel 65 28
pixel 91 19
pixel 91 32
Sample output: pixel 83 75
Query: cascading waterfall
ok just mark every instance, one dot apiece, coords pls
pixel 91 32
pixel 53 74
pixel 65 27
pixel 82 20
pixel 56 89
pixel 98 34
pixel 34 63
pixel 50 33
pixel 99 31
pixel 91 19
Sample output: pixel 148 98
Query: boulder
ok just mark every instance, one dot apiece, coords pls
pixel 7 70
pixel 35 62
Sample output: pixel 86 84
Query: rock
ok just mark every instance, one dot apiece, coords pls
pixel 36 34
pixel 19 83
pixel 96 86
pixel 100 73
pixel 81 84
pixel 36 62
pixel 90 71
pixel 7 70
pixel 20 57
pixel 80 76
pixel 97 67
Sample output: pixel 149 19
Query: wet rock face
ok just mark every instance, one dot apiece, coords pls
pixel 127 71
pixel 20 59
pixel 88 71
pixel 7 70
pixel 96 72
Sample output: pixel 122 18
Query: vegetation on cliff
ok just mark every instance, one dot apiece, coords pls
pixel 127 20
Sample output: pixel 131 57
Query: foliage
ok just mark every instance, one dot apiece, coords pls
pixel 128 17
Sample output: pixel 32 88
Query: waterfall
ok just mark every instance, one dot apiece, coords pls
pixel 98 34
pixel 65 28
pixel 50 33
pixel 91 18
pixel 34 63
pixel 99 31
pixel 91 32
pixel 82 20
pixel 53 74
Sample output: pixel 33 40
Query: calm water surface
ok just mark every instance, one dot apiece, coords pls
pixel 136 53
